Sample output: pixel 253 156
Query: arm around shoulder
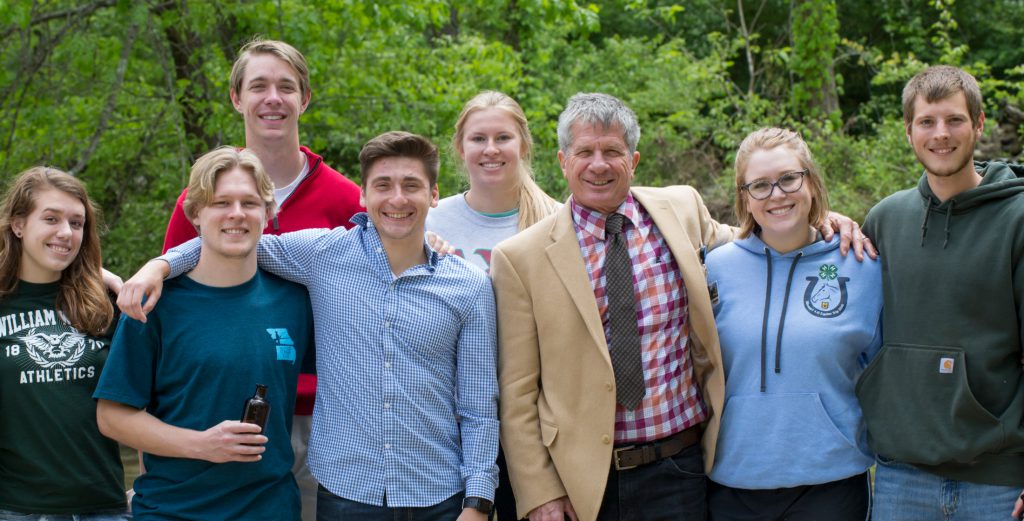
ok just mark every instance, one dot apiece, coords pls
pixel 687 199
pixel 146 284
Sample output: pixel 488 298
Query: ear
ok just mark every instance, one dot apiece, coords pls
pixel 981 124
pixel 561 163
pixel 236 100
pixel 636 159
pixel 362 196
pixel 305 102
pixel 434 196
pixel 18 226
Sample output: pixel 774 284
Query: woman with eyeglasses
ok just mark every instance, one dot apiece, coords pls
pixel 797 323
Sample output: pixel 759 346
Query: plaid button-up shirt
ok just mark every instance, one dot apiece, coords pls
pixel 673 400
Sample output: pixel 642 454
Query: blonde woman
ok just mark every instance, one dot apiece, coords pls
pixel 493 140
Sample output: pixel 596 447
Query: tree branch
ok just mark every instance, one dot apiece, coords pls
pixel 76 12
pixel 108 109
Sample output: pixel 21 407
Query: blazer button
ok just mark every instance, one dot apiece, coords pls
pixel 608 386
pixel 606 439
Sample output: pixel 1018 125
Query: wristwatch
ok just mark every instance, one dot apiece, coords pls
pixel 479 504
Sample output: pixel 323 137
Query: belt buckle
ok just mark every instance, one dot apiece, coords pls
pixel 615 457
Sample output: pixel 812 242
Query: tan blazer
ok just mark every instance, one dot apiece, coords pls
pixel 557 385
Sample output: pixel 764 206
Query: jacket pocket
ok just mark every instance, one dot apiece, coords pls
pixel 548 432
pixel 783 440
pixel 919 407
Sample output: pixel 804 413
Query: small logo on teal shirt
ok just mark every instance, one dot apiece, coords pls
pixel 284 344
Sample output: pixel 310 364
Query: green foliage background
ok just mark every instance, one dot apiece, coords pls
pixel 127 94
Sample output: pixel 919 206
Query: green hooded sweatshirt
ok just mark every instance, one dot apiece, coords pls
pixel 946 392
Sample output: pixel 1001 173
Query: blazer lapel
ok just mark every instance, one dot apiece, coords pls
pixel 667 217
pixel 567 262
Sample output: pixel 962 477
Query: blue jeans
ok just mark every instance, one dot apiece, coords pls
pixel 905 493
pixel 108 515
pixel 671 489
pixel 330 507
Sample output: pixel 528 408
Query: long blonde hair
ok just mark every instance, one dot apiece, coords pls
pixel 82 297
pixel 534 204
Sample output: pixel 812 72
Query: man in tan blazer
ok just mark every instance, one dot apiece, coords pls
pixel 573 448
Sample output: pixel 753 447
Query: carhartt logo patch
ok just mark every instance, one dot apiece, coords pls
pixel 946 365
pixel 285 345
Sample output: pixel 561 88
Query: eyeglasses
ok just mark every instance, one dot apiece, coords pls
pixel 762 188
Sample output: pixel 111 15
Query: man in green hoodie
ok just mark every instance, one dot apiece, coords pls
pixel 944 399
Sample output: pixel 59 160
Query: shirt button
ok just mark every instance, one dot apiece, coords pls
pixel 387 324
pixel 387 405
pixel 380 250
pixel 387 365
pixel 606 439
pixel 387 446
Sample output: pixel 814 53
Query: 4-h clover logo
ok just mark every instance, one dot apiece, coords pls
pixel 828 272
pixel 826 294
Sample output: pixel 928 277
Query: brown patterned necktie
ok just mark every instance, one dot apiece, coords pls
pixel 625 333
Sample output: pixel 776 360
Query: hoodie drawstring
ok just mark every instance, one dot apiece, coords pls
pixel 949 217
pixel 764 320
pixel 924 225
pixel 782 318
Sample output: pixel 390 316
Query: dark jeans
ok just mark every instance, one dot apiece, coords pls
pixel 671 489
pixel 843 500
pixel 333 508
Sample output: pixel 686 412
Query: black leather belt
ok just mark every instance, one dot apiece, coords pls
pixel 632 456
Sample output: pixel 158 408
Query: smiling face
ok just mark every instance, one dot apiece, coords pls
pixel 270 99
pixel 231 222
pixel 943 137
pixel 598 166
pixel 784 218
pixel 491 147
pixel 397 195
pixel 51 235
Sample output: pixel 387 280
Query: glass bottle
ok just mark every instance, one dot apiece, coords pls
pixel 257 408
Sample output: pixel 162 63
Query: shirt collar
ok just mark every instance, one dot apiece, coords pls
pixel 375 248
pixel 591 222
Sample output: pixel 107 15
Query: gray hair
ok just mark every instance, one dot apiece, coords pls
pixel 594 108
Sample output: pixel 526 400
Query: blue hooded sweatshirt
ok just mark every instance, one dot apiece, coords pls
pixel 797 330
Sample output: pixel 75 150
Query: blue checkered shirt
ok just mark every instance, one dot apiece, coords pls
pixel 406 403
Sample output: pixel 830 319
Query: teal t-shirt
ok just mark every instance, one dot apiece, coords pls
pixel 193 365
pixel 53 459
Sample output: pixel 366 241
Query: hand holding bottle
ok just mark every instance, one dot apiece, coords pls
pixel 231 440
